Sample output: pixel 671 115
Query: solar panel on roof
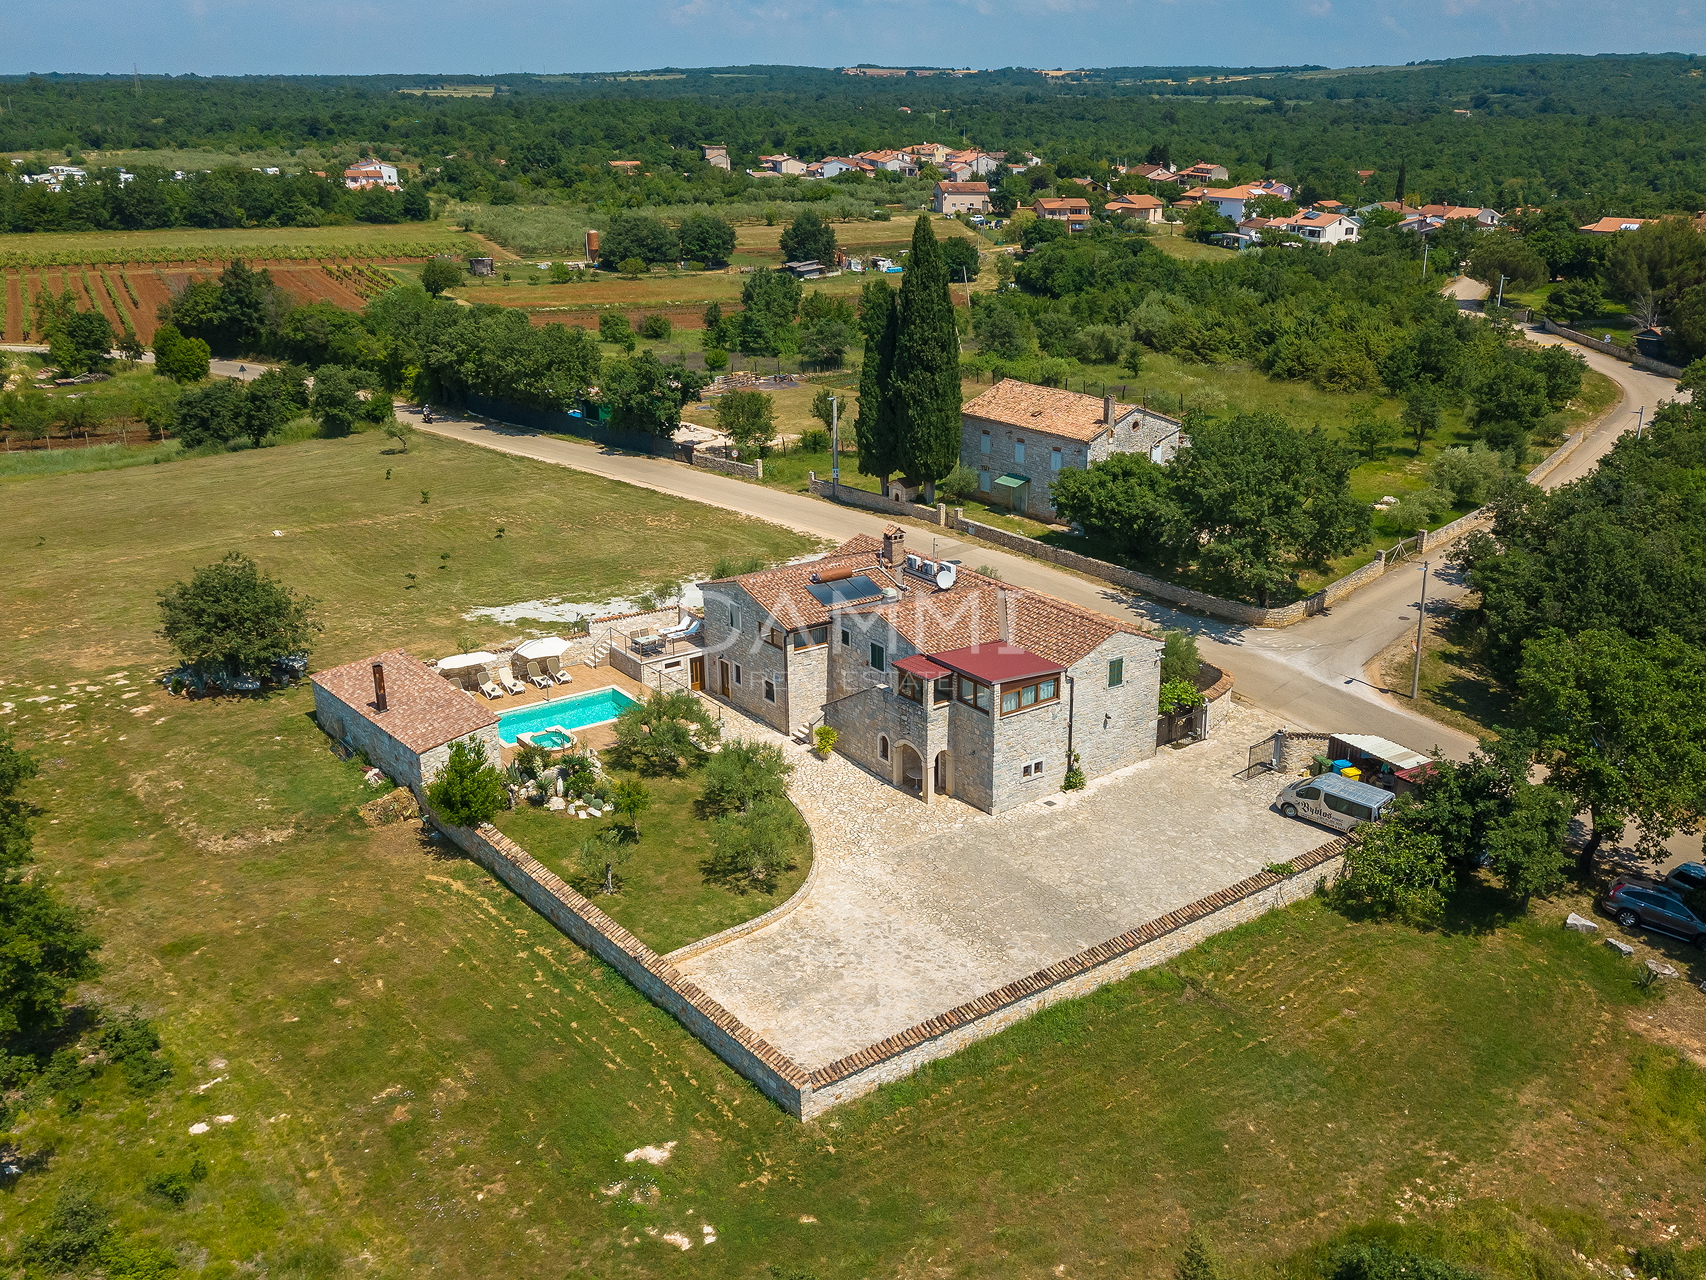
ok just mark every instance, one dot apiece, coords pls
pixel 844 590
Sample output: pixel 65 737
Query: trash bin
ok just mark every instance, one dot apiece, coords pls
pixel 1339 766
pixel 1350 771
pixel 1322 765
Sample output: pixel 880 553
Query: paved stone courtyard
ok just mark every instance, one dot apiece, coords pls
pixel 916 909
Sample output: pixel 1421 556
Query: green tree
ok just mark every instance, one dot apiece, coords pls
pixel 876 428
pixel 337 402
pixel 248 308
pixel 638 235
pixel 1125 499
pixel 1179 657
pixel 1370 436
pixel 718 331
pixel 417 206
pixel 211 415
pixel 925 383
pixel 751 848
pixel 270 401
pixel 1269 206
pixel 1197 1261
pixel 599 855
pixel 631 799
pixel 440 274
pixel 615 327
pixel 1204 222
pixel 1262 501
pixel 667 733
pixel 657 327
pixel 1622 730
pixel 402 432
pixel 1503 253
pixel 231 614
pixel 469 791
pixel 644 394
pixel 809 239
pixel 183 360
pixel 749 419
pixel 1575 300
pixel 1004 331
pixel 962 259
pixel 79 342
pixel 707 238
pixel 1421 417
pixel 826 413
pixel 770 300
pixel 1509 404
pixel 743 774
pixel 1397 870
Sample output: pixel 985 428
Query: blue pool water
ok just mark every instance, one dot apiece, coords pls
pixel 577 712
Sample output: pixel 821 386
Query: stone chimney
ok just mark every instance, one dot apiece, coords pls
pixel 1108 408
pixel 379 685
pixel 894 545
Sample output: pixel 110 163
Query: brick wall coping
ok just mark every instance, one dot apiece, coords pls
pixel 1031 984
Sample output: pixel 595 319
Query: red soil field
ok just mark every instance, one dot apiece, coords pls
pixel 14 308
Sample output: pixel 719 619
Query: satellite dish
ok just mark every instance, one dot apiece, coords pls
pixel 945 576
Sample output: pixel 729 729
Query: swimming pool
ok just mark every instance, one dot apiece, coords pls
pixel 577 712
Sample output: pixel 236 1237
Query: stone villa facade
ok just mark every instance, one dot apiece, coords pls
pixel 940 680
pixel 1019 437
pixel 401 714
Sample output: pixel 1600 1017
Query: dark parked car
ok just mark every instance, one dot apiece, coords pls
pixel 1637 905
pixel 1687 878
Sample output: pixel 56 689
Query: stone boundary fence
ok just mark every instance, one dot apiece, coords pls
pixel 728 466
pixel 1611 349
pixel 937 514
pixel 806 1094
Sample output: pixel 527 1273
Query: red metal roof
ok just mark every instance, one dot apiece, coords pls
pixel 997 663
pixel 921 667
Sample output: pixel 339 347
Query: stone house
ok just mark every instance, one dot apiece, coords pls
pixel 961 197
pixel 401 714
pixel 938 679
pixel 1019 438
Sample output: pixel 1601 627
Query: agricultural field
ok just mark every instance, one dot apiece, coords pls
pixel 192 244
pixel 421 1074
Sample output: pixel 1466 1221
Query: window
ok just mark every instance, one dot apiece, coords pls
pixel 1055 460
pixel 1116 672
pixel 770 691
pixel 974 693
pixel 882 747
pixel 811 638
pixel 910 687
pixel 1032 770
pixel 879 658
pixel 846 638
pixel 1309 793
pixel 983 481
pixel 1019 452
pixel 983 445
pixel 944 691
pixel 734 617
pixel 1023 697
pixel 775 636
pixel 737 673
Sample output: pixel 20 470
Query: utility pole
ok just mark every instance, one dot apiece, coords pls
pixel 835 447
pixel 1425 247
pixel 1640 420
pixel 1501 299
pixel 1421 619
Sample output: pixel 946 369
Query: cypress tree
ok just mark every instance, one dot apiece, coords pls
pixel 926 381
pixel 1403 174
pixel 879 450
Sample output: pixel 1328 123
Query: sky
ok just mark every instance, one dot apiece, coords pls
pixel 235 37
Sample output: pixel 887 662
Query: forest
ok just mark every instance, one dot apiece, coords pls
pixel 1623 133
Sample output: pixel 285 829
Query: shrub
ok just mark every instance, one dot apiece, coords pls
pixel 175 1186
pixel 1179 660
pixel 633 266
pixel 1420 507
pixel 744 774
pixel 130 1043
pixel 815 440
pixel 751 849
pixel 958 485
pixel 655 326
pixel 1469 475
pixel 1396 870
pixel 716 358
pixel 824 739
pixel 734 566
pixel 1178 696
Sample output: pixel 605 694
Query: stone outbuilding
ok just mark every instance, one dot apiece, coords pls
pixel 935 678
pixel 401 714
pixel 1019 438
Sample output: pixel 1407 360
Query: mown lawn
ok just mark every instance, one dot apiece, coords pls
pixel 663 896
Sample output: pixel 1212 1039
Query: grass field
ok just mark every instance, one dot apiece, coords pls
pixel 178 244
pixel 422 1075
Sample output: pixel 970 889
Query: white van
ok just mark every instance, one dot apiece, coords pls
pixel 1332 801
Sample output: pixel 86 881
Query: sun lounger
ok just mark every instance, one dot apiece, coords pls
pixel 539 682
pixel 563 677
pixel 491 690
pixel 512 684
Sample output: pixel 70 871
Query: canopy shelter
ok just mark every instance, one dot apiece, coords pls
pixel 541 657
pixel 1017 489
pixel 544 647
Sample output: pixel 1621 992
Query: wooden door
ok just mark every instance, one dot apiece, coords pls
pixel 723 677
pixel 696 673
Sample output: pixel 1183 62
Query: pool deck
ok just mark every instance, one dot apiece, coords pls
pixel 587 680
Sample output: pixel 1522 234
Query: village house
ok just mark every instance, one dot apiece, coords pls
pixel 1019 438
pixel 894 161
pixel 1312 226
pixel 1230 202
pixel 782 165
pixel 371 173
pixel 401 714
pixel 830 166
pixel 929 153
pixel 716 156
pixel 937 679
pixel 1201 172
pixel 1613 226
pixel 961 197
pixel 1144 208
pixel 967 165
pixel 1074 211
pixel 1151 172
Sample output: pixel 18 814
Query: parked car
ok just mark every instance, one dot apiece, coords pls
pixel 1334 801
pixel 1638 904
pixel 1687 878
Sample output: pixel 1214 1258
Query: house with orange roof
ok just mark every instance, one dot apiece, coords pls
pixel 937 679
pixel 1074 211
pixel 1019 437
pixel 1145 208
pixel 402 714
pixel 960 197
pixel 1613 226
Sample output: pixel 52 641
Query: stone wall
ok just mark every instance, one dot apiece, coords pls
pixel 1611 349
pixel 937 514
pixel 728 466
pixel 404 767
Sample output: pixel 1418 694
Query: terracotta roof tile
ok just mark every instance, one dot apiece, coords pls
pixel 424 710
pixel 1048 409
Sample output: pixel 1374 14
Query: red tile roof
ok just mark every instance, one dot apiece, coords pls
pixel 1046 409
pixel 963 188
pixel 423 709
pixel 920 666
pixel 997 663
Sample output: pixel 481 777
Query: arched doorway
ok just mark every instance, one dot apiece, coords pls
pixel 909 770
pixel 943 781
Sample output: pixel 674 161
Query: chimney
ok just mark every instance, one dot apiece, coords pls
pixel 894 545
pixel 379 685
pixel 1004 615
pixel 1108 408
